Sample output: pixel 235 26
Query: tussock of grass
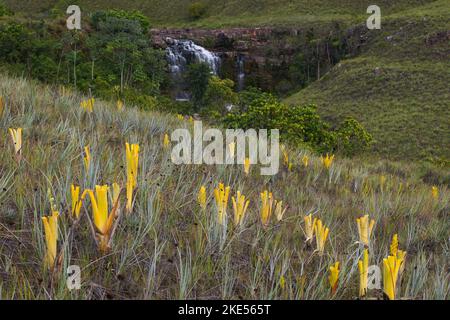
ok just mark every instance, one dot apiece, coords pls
pixel 168 247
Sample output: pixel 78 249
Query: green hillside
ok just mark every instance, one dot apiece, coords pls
pixel 230 13
pixel 398 86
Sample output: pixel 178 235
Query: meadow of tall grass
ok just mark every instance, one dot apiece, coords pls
pixel 169 243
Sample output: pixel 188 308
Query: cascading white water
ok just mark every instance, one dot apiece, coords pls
pixel 181 53
pixel 240 72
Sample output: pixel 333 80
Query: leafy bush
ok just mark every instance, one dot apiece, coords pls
pixel 298 125
pixel 251 94
pixel 219 95
pixel 4 11
pixel 135 98
pixel 197 79
pixel 197 10
pixel 135 15
pixel 14 42
pixel 352 137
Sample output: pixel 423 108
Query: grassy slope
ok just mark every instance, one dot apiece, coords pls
pixel 168 247
pixel 230 12
pixel 406 105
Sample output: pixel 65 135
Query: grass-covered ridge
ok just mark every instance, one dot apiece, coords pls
pixel 232 13
pixel 397 87
pixel 168 247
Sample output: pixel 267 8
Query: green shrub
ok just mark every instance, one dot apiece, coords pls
pixel 134 15
pixel 298 125
pixel 4 11
pixel 135 98
pixel 197 10
pixel 219 94
pixel 251 94
pixel 352 137
pixel 15 42
pixel 197 79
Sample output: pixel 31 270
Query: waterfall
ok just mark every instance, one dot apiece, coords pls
pixel 181 53
pixel 240 72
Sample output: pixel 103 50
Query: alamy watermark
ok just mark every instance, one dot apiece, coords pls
pixel 239 145
pixel 374 21
pixel 373 277
pixel 73 277
pixel 73 22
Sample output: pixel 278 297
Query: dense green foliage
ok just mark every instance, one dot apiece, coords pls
pixel 4 11
pixel 219 96
pixel 113 59
pixel 197 79
pixel 352 137
pixel 298 125
pixel 120 42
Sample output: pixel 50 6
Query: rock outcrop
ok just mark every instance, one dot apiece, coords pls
pixel 262 56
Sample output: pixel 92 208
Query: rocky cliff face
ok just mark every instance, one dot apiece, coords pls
pixel 264 57
pixel 248 41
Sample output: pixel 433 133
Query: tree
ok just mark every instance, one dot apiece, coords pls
pixel 15 40
pixel 197 78
pixel 219 95
pixel 120 38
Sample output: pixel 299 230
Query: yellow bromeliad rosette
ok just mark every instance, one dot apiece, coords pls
pixel 247 166
pixel 327 161
pixel 103 219
pixel 76 201
pixel 333 278
pixel 88 105
pixel 363 267
pixel 132 162
pixel 279 210
pixel 166 141
pixel 310 225
pixel 240 205
pixel 435 192
pixel 221 195
pixel 365 228
pixel 266 207
pixel 16 137
pixel 201 197
pixel 393 267
pixel 51 238
pixel 321 232
pixel 119 105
